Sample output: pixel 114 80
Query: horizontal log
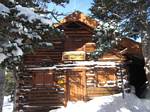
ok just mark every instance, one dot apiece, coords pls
pixel 53 48
pixel 45 88
pixel 44 92
pixel 45 98
pixel 82 35
pixel 93 91
pixel 58 103
pixel 91 96
pixel 38 62
pixel 39 108
pixel 102 88
pixel 39 95
pixel 44 54
pixel 79 31
pixel 101 92
pixel 42 57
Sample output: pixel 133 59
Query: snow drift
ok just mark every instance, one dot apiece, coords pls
pixel 7 105
pixel 114 103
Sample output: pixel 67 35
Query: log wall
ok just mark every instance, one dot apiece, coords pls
pixel 40 90
pixel 76 39
pixel 43 89
pixel 46 56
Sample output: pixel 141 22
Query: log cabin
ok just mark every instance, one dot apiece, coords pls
pixel 54 76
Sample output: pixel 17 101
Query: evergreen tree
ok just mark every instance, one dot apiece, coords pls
pixel 131 19
pixel 23 27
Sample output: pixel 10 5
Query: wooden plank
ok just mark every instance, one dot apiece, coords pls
pixel 101 91
pixel 77 31
pixel 86 35
pixel 46 98
pixel 78 17
pixel 61 95
pixel 39 108
pixel 42 104
pixel 50 101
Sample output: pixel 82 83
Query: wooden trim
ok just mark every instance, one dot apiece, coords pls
pixel 84 86
pixel 66 88
pixel 78 17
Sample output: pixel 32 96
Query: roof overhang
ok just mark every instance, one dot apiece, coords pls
pixel 78 17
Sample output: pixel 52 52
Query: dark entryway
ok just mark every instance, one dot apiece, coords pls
pixel 137 75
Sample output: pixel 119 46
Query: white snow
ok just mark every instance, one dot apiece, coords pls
pixel 113 103
pixel 4 10
pixel 98 63
pixel 13 1
pixel 19 41
pixel 31 15
pixel 101 64
pixel 7 105
pixel 2 57
pixel 18 51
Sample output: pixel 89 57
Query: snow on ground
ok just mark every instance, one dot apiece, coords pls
pixel 114 103
pixel 7 105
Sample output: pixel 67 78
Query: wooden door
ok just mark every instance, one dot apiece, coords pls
pixel 76 86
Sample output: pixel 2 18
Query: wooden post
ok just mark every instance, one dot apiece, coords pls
pixel 84 86
pixel 122 85
pixel 96 75
pixel 2 81
pixel 66 87
pixel 16 92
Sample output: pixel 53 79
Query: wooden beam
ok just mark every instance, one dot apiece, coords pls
pixel 78 17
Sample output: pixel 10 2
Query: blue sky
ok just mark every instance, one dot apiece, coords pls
pixel 81 5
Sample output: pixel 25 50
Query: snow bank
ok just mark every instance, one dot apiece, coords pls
pixel 31 15
pixel 7 106
pixel 114 103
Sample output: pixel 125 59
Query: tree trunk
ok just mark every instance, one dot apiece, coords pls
pixel 146 53
pixel 2 80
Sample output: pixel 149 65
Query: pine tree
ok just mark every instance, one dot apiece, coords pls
pixel 23 27
pixel 132 20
